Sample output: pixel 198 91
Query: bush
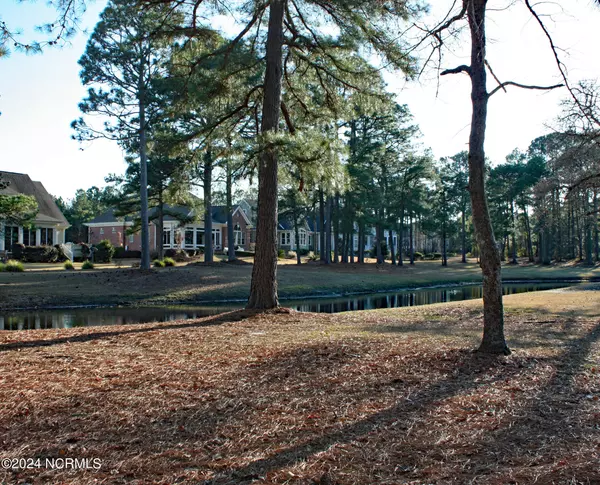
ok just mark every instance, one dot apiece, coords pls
pixel 312 256
pixel 281 254
pixel 104 252
pixel 40 254
pixel 303 252
pixel 418 255
pixel 18 251
pixel 87 265
pixel 169 262
pixel 61 254
pixel 291 255
pixel 68 265
pixel 14 266
pixel 2 267
pixel 437 255
pixel 158 263
pixel 121 253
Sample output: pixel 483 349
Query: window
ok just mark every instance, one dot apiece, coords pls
pixel 199 237
pixel 114 229
pixel 216 237
pixel 47 236
pixel 101 231
pixel 285 238
pixel 11 236
pixel 302 237
pixel 131 238
pixel 240 236
pixel 29 237
pixel 166 237
pixel 189 237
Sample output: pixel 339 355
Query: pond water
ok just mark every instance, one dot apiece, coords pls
pixel 87 317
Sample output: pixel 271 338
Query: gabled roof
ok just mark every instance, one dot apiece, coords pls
pixel 286 223
pixel 21 183
pixel 172 213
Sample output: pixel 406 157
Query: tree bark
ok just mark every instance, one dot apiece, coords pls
pixel 336 229
pixel 493 313
pixel 145 260
pixel 411 248
pixel 464 236
pixel 207 183
pixel 392 247
pixel 321 226
pixel 328 230
pixel 161 224
pixel 229 202
pixel 263 289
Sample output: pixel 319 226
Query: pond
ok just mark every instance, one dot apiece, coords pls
pixel 87 317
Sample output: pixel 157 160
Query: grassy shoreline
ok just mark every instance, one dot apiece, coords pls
pixel 219 283
pixel 385 396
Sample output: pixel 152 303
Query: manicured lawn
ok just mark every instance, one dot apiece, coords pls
pixel 222 281
pixel 379 397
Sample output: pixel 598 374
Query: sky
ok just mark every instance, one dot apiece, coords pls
pixel 39 94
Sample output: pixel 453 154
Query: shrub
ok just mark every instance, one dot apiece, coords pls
pixel 18 251
pixel 121 253
pixel 14 266
pixel 312 256
pixel 291 255
pixel 68 265
pixel 281 254
pixel 61 254
pixel 40 254
pixel 303 252
pixel 418 255
pixel 87 265
pixel 158 263
pixel 169 262
pixel 104 252
pixel 437 255
pixel 2 267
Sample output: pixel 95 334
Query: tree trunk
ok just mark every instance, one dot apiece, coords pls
pixel 336 229
pixel 513 234
pixel 528 231
pixel 392 247
pixel 493 314
pixel 208 241
pixel 596 232
pixel 296 234
pixel 411 248
pixel 464 236
pixel 229 202
pixel 444 255
pixel 321 226
pixel 378 243
pixel 263 289
pixel 328 231
pixel 361 242
pixel 145 262
pixel 161 225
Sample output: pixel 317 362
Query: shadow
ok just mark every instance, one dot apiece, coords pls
pixel 221 319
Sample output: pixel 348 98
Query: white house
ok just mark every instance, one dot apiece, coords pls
pixel 49 225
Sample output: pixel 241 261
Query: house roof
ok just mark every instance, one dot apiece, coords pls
pixel 172 213
pixel 21 183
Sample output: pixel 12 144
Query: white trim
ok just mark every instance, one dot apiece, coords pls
pixel 239 208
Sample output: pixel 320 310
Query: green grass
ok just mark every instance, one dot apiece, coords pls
pixel 68 265
pixel 87 265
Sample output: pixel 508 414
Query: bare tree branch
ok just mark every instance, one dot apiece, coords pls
pixel 457 70
pixel 524 86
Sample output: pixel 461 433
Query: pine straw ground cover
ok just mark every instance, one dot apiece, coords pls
pixel 382 397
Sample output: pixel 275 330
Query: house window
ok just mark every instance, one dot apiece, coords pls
pixel 166 237
pixel 114 229
pixel 189 237
pixel 216 237
pixel 11 236
pixel 240 236
pixel 47 236
pixel 131 238
pixel 29 237
pixel 285 238
pixel 101 231
pixel 199 237
pixel 302 237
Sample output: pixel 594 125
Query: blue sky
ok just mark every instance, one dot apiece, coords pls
pixel 39 94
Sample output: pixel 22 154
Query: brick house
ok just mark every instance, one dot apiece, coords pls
pixel 176 235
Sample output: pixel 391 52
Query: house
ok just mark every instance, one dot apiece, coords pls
pixel 49 225
pixel 189 235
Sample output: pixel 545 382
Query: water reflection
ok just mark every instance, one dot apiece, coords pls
pixel 88 317
pixel 409 298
